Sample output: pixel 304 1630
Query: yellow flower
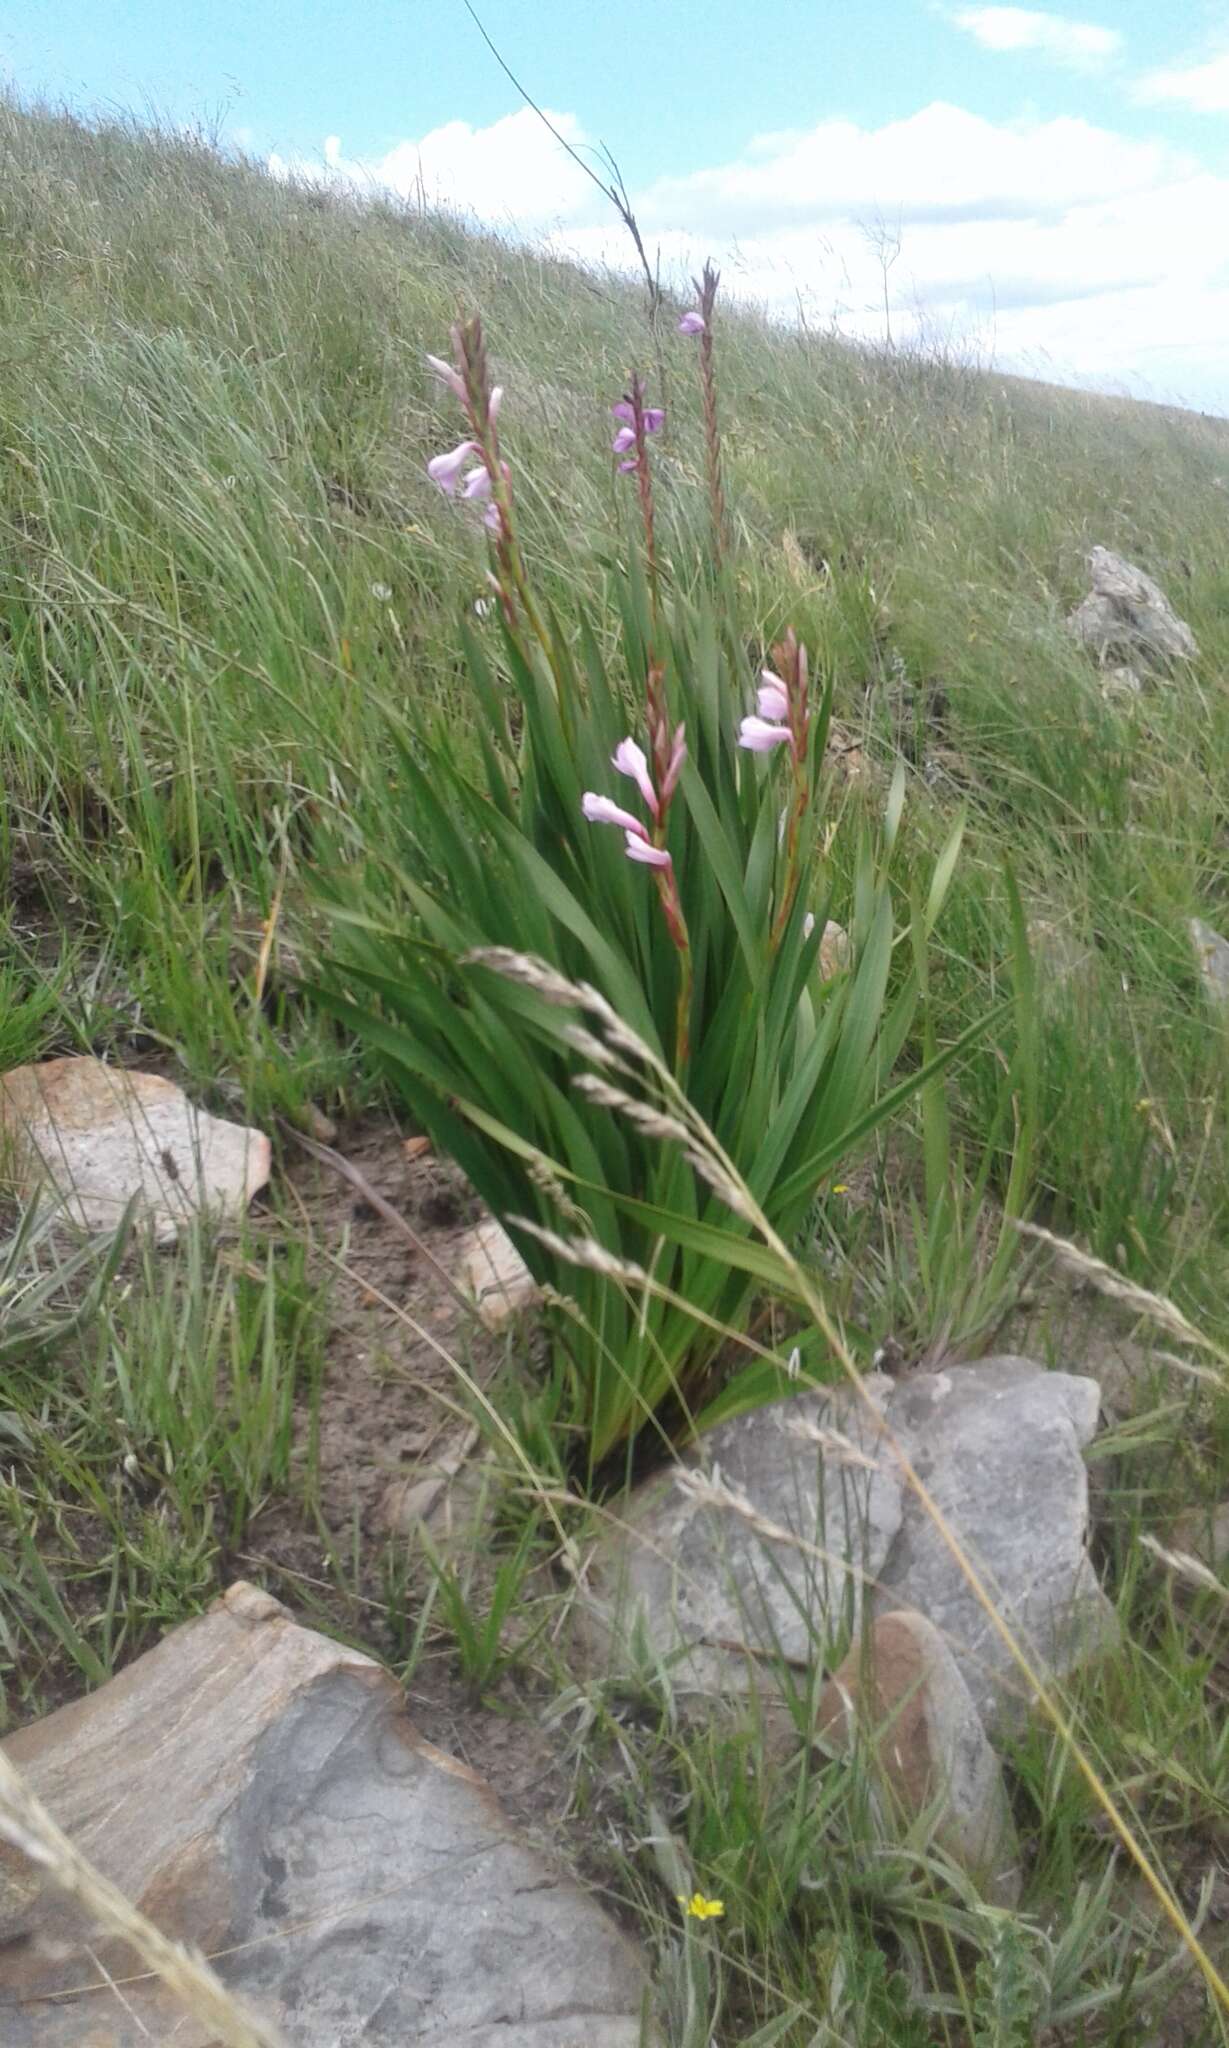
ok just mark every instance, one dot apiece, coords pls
pixel 697 1907
pixel 841 1188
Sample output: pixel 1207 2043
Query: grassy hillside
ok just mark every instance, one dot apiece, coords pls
pixel 228 592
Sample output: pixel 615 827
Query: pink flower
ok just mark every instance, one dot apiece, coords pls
pixel 648 856
pixel 654 419
pixel 623 440
pixel 772 697
pixel 445 470
pixel 603 810
pixel 478 483
pixel 674 767
pixel 629 759
pixel 692 323
pixel 452 378
pixel 493 519
pixel 496 400
pixel 759 737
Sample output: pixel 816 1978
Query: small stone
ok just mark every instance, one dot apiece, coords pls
pixel 1126 617
pixel 900 1691
pixel 1212 955
pixel 317 1125
pixel 260 1792
pixel 495 1275
pixel 95 1136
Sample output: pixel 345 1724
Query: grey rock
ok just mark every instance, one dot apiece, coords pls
pixel 900 1695
pixel 700 1591
pixel 260 1792
pixel 1212 954
pixel 1126 618
pixel 997 1447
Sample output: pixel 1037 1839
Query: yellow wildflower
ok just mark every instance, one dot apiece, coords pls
pixel 697 1907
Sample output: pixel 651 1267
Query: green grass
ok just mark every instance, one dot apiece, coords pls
pixel 227 595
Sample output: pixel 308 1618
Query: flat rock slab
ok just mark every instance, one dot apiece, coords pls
pixel 260 1792
pixel 94 1137
pixel 702 1591
pixel 495 1276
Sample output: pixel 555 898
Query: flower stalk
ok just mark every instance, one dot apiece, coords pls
pixel 783 719
pixel 699 322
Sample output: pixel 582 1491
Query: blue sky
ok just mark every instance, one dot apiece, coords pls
pixel 1060 176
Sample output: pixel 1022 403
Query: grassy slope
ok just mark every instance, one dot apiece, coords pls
pixel 215 423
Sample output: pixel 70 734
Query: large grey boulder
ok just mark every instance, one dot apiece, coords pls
pixel 1126 619
pixel 782 1526
pixel 260 1793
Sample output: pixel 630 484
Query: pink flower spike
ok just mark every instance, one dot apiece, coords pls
pixel 478 485
pixel 692 323
pixel 603 810
pixel 629 759
pixel 648 856
pixel 623 411
pixel 772 697
pixel 759 737
pixel 496 400
pixel 445 470
pixel 623 440
pixel 452 378
pixel 654 419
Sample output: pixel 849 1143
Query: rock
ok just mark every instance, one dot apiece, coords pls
pixel 833 949
pixel 682 1584
pixel 900 1691
pixel 317 1125
pixel 696 1588
pixel 997 1446
pixel 1212 953
pixel 259 1791
pixel 96 1136
pixel 495 1275
pixel 1127 619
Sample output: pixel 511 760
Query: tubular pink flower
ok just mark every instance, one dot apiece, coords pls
pixel 623 411
pixel 692 323
pixel 654 419
pixel 452 378
pixel 493 519
pixel 626 467
pixel 496 400
pixel 478 485
pixel 759 737
pixel 674 767
pixel 772 696
pixel 445 470
pixel 623 440
pixel 648 856
pixel 603 810
pixel 629 759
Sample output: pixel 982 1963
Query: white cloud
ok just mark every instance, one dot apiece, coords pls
pixel 512 173
pixel 1202 87
pixel 1051 35
pixel 1055 245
